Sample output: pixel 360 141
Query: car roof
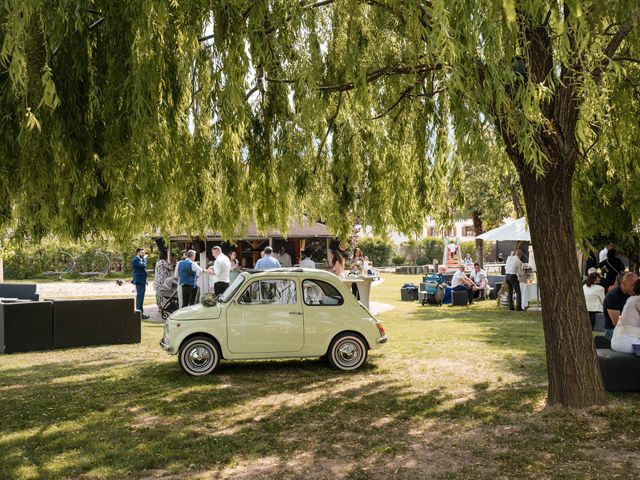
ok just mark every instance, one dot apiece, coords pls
pixel 294 272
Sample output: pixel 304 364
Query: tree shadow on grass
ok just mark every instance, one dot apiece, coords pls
pixel 76 420
pixel 286 418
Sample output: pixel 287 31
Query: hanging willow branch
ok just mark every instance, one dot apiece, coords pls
pixel 371 76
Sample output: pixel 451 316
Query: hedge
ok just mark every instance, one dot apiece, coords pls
pixel 424 251
pixel 379 250
pixel 29 261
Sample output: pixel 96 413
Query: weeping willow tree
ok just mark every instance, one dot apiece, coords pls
pixel 200 114
pixel 607 184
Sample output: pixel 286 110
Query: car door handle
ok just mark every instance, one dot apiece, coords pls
pixel 295 313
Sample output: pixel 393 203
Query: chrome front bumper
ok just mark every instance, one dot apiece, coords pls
pixel 164 346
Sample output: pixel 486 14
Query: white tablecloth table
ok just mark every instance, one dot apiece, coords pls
pixel 364 287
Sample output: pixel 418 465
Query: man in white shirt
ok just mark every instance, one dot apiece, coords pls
pixel 284 258
pixel 480 280
pixel 513 268
pixel 460 282
pixel 306 261
pixel 604 251
pixel 219 271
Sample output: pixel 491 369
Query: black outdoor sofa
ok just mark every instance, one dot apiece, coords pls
pixel 42 325
pixel 620 371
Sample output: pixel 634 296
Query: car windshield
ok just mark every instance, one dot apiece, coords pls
pixel 231 289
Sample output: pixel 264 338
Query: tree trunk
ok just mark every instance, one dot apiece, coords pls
pixel 478 229
pixel 574 375
pixel 517 206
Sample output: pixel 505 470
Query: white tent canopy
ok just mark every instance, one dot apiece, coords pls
pixel 515 230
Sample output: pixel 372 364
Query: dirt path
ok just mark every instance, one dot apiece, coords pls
pixel 101 289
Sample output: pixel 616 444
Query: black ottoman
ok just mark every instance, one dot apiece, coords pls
pixel 409 293
pixel 459 298
pixel 620 371
pixel 26 326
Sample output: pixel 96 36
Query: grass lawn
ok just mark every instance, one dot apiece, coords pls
pixel 458 392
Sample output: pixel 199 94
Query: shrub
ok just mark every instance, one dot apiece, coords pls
pixel 424 260
pixel 378 250
pixel 398 259
pixel 431 248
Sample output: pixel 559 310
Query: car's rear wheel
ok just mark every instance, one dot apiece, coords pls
pixel 199 356
pixel 348 351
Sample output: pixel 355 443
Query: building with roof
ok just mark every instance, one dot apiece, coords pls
pixel 248 244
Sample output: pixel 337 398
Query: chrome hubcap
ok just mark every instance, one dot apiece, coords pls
pixel 200 358
pixel 349 353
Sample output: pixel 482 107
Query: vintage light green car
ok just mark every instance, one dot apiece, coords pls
pixel 281 313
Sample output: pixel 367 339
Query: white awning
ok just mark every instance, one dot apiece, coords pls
pixel 516 230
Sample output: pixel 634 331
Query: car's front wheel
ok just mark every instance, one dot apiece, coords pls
pixel 199 356
pixel 348 351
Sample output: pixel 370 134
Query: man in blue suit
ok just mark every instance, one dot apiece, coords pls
pixel 139 265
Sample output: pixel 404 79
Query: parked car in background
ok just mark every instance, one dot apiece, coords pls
pixel 283 313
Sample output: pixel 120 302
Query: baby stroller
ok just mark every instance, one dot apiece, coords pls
pixel 431 291
pixel 168 292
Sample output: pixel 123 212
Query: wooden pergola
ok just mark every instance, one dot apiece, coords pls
pixel 251 242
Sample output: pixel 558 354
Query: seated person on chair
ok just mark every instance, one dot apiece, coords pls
pixel 460 282
pixel 368 267
pixel 593 295
pixel 615 301
pixel 627 331
pixel 480 280
pixel 442 270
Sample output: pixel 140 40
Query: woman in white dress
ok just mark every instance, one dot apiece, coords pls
pixel 593 295
pixel 627 331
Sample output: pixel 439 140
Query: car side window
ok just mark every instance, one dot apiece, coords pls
pixel 251 296
pixel 269 292
pixel 317 292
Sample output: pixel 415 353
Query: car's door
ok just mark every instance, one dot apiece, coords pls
pixel 266 318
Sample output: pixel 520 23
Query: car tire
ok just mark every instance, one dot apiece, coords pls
pixel 347 352
pixel 199 356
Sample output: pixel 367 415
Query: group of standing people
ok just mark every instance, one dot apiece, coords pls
pixel 610 265
pixel 187 271
pixel 358 264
